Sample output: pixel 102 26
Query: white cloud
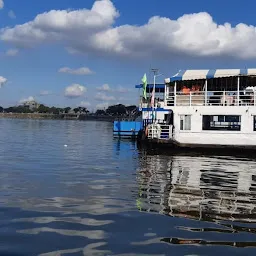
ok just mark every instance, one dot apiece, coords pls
pixel 104 88
pixel 44 93
pixel 3 80
pixel 30 98
pixel 122 89
pixel 1 4
pixel 85 104
pixel 11 14
pixel 93 32
pixel 75 27
pixel 102 105
pixel 12 52
pixel 79 71
pixel 100 96
pixel 75 90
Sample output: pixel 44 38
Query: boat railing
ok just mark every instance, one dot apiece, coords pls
pixel 160 131
pixel 147 122
pixel 211 98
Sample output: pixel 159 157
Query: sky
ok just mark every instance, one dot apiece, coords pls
pixel 92 53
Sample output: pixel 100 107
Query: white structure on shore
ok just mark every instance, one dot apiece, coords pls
pixel 203 108
pixel 31 104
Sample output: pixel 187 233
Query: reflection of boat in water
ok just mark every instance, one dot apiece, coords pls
pixel 202 188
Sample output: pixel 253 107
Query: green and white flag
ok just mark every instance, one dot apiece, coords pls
pixel 145 83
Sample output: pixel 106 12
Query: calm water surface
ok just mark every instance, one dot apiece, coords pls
pixel 101 196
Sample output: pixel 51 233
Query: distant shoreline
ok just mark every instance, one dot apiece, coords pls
pixel 57 116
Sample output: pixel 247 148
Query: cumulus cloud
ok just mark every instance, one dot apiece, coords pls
pixel 30 98
pixel 12 52
pixel 1 4
pixel 79 71
pixel 102 105
pixel 100 96
pixel 94 32
pixel 73 26
pixel 75 90
pixel 11 14
pixel 3 80
pixel 104 88
pixel 85 104
pixel 122 89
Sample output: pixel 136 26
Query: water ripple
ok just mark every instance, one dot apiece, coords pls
pixel 101 196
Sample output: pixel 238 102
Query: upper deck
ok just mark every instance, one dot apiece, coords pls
pixel 224 87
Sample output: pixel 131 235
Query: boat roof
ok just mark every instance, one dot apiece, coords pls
pixel 183 75
pixel 150 86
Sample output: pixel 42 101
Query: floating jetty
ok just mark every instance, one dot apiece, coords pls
pixel 127 129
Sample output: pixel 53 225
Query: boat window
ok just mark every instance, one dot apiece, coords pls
pixel 254 123
pixel 222 122
pixel 185 122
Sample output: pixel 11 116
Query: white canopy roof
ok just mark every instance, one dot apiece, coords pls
pixel 209 73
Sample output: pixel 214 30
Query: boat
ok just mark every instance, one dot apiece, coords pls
pixel 201 109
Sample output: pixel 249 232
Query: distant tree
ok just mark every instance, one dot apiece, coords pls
pixel 76 110
pixel 18 109
pixel 1 109
pixel 131 108
pixel 100 112
pixel 116 110
pixel 66 110
pixel 43 109
pixel 83 110
pixel 54 110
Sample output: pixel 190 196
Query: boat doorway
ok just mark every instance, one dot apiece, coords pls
pixel 169 119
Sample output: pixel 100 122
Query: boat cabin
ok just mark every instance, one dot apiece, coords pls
pixel 212 107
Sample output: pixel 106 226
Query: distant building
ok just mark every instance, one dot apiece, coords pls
pixel 31 104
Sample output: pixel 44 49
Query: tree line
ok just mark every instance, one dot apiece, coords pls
pixel 114 110
pixel 42 109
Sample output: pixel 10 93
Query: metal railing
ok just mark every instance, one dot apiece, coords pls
pixel 202 98
pixel 212 98
pixel 157 131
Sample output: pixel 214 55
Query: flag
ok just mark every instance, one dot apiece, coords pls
pixel 144 81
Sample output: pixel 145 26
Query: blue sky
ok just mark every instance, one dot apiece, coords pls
pixel 92 53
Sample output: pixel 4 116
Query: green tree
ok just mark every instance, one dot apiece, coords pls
pixel 43 109
pixel 116 110
pixel 76 110
pixel 100 112
pixel 54 110
pixel 67 109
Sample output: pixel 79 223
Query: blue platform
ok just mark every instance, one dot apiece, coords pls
pixel 127 129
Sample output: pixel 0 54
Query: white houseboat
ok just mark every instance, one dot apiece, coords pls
pixel 202 109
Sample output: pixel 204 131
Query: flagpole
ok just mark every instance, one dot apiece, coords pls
pixel 154 70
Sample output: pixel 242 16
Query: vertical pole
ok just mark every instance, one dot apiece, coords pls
pixel 205 93
pixel 238 90
pixel 175 89
pixel 190 98
pixel 154 109
pixel 165 95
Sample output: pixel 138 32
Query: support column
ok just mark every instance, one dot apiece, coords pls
pixel 205 93
pixel 165 95
pixel 175 89
pixel 238 90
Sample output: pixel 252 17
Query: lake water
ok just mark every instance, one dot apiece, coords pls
pixel 101 196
